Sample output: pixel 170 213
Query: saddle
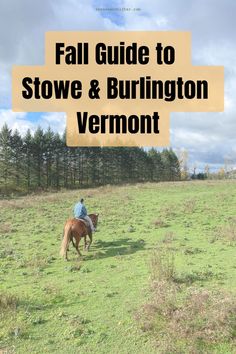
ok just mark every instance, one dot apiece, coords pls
pixel 85 222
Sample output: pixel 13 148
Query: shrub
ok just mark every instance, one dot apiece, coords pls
pixel 8 301
pixel 162 265
pixel 189 206
pixel 185 319
pixel 226 232
pixel 168 237
pixel 158 223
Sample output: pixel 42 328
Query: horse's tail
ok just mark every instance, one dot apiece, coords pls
pixel 66 240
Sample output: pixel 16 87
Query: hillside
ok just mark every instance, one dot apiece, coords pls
pixel 90 305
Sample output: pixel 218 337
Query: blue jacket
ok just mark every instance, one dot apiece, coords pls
pixel 80 211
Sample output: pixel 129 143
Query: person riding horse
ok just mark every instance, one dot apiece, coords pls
pixel 74 230
pixel 80 212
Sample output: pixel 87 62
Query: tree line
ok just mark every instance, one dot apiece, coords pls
pixel 41 160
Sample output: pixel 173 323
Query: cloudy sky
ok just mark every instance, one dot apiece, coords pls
pixel 208 137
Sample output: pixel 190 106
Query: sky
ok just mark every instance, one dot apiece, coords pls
pixel 209 138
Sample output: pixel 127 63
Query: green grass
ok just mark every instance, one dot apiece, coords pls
pixel 48 305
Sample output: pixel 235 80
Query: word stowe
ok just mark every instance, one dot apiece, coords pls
pixel 118 88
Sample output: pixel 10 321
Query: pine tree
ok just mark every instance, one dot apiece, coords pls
pixel 48 155
pixel 17 157
pixel 57 172
pixel 44 161
pixel 157 165
pixel 38 147
pixel 28 158
pixel 5 157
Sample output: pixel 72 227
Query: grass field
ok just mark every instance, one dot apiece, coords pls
pixel 90 305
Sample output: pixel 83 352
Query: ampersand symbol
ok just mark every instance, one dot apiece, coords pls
pixel 94 89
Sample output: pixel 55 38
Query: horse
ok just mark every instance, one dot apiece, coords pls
pixel 74 230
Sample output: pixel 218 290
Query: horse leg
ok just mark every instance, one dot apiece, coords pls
pixel 73 242
pixel 65 256
pixel 77 247
pixel 85 243
pixel 91 240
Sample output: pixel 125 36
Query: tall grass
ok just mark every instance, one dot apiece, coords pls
pixel 185 319
pixel 162 265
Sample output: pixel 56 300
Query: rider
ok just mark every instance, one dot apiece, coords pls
pixel 80 212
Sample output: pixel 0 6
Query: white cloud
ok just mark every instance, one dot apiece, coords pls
pixel 20 121
pixel 56 120
pixel 209 137
pixel 22 31
pixel 15 120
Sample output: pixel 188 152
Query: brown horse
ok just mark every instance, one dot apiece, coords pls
pixel 74 230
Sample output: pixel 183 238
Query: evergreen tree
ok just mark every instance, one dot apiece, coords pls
pixel 171 165
pixel 5 156
pixel 17 157
pixel 28 158
pixel 48 155
pixel 57 173
pixel 157 165
pixel 44 161
pixel 38 148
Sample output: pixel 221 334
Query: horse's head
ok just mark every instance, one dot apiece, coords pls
pixel 94 218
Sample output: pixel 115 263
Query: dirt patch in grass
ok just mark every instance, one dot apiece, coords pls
pixel 8 301
pixel 189 206
pixel 226 232
pixel 169 237
pixel 168 211
pixel 6 228
pixel 188 321
pixel 162 265
pixel 159 223
pixel 185 319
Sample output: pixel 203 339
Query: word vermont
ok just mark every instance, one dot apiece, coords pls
pixel 117 124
